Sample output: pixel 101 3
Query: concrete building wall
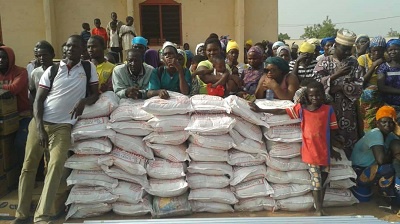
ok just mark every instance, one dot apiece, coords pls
pixel 24 22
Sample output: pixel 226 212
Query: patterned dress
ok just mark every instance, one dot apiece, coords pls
pixel 345 92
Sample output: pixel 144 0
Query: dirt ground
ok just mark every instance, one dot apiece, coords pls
pixel 369 208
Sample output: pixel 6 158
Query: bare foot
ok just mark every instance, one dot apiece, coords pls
pixel 320 213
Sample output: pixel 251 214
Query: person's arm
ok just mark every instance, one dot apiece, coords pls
pixel 18 84
pixel 260 88
pixel 118 83
pixel 38 108
pixel 154 88
pixel 372 70
pixel 385 88
pixel 183 85
pixel 293 86
pixel 205 74
pixel 380 156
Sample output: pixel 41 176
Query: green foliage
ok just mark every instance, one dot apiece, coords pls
pixel 283 36
pixel 393 33
pixel 326 29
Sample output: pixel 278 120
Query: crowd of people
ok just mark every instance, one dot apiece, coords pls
pixel 358 77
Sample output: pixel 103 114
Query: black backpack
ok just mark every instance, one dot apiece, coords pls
pixel 86 66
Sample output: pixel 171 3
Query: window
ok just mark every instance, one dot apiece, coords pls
pixel 160 20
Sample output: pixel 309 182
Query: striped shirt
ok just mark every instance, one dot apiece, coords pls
pixel 307 72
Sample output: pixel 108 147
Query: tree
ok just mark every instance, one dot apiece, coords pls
pixel 393 33
pixel 326 29
pixel 283 36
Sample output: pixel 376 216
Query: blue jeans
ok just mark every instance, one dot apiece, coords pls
pixel 20 139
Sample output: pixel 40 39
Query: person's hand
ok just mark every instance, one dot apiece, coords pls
pixel 163 94
pixel 378 62
pixel 78 109
pixel 269 83
pixel 344 70
pixel 336 155
pixel 301 57
pixel 43 138
pixel 133 93
pixel 338 141
pixel 104 88
pixel 175 63
pixel 254 107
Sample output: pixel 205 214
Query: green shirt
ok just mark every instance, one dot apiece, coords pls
pixel 168 82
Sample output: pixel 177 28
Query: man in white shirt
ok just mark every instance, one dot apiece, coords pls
pixel 57 105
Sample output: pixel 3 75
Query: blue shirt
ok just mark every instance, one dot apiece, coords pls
pixel 168 82
pixel 362 153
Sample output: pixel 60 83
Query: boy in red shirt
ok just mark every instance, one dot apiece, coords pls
pixel 100 31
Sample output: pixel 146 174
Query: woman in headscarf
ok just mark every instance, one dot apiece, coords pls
pixel 277 78
pixel 361 45
pixel 152 58
pixel 317 44
pixel 303 66
pixel 200 49
pixel 284 52
pixel 275 47
pixel 371 100
pixel 253 73
pixel 340 75
pixel 326 45
pixel 232 54
pixel 389 76
pixel 182 57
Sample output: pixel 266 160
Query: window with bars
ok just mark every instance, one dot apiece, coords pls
pixel 160 21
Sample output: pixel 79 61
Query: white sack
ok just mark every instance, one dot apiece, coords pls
pixel 129 192
pixel 171 207
pixel 339 198
pixel 90 195
pixel 164 169
pixel 282 191
pixel 210 168
pixel 197 181
pixel 246 144
pixel 176 104
pixel 243 174
pixel 211 207
pixel 83 162
pixel 91 178
pixel 283 133
pixel 294 177
pixel 296 204
pixel 167 138
pixel 286 164
pixel 91 128
pixel 223 195
pixel 95 146
pixel 80 211
pixel 220 142
pixel 120 174
pixel 241 108
pixel 173 153
pixel 238 158
pixel 247 129
pixel 209 104
pixel 107 103
pixel 129 109
pixel 341 184
pixel 133 144
pixel 283 150
pixel 135 128
pixel 210 124
pixel 127 161
pixel 128 209
pixel 255 204
pixel 341 172
pixel 167 188
pixel 252 188
pixel 169 123
pixel 198 153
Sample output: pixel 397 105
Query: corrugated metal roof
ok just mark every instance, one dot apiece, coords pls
pixel 255 220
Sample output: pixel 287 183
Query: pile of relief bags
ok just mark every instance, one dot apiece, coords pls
pixel 183 155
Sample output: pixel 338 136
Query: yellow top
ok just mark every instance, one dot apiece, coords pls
pixel 366 62
pixel 104 72
pixel 209 65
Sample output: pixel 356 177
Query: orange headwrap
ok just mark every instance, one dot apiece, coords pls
pixel 386 111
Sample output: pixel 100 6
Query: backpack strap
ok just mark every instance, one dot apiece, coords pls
pixel 87 67
pixel 53 73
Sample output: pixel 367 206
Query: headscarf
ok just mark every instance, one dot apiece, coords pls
pixel 306 47
pixel 279 62
pixel 360 36
pixel 386 111
pixel 377 41
pixel 393 42
pixel 249 42
pixel 315 42
pixel 326 40
pixel 345 37
pixel 169 44
pixel 278 44
pixel 232 45
pixel 183 53
pixel 152 58
pixel 257 50
pixel 139 40
pixel 283 48
pixel 295 46
pixel 198 46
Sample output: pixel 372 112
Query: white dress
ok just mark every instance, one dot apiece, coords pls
pixel 127 38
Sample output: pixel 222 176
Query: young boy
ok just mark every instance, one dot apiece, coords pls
pixel 85 32
pixel 127 33
pixel 114 43
pixel 100 31
pixel 195 82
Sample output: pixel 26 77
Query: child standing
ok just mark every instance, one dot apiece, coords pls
pixel 85 34
pixel 100 31
pixel 114 43
pixel 318 122
pixel 127 33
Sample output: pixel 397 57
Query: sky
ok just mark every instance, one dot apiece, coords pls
pixel 295 15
